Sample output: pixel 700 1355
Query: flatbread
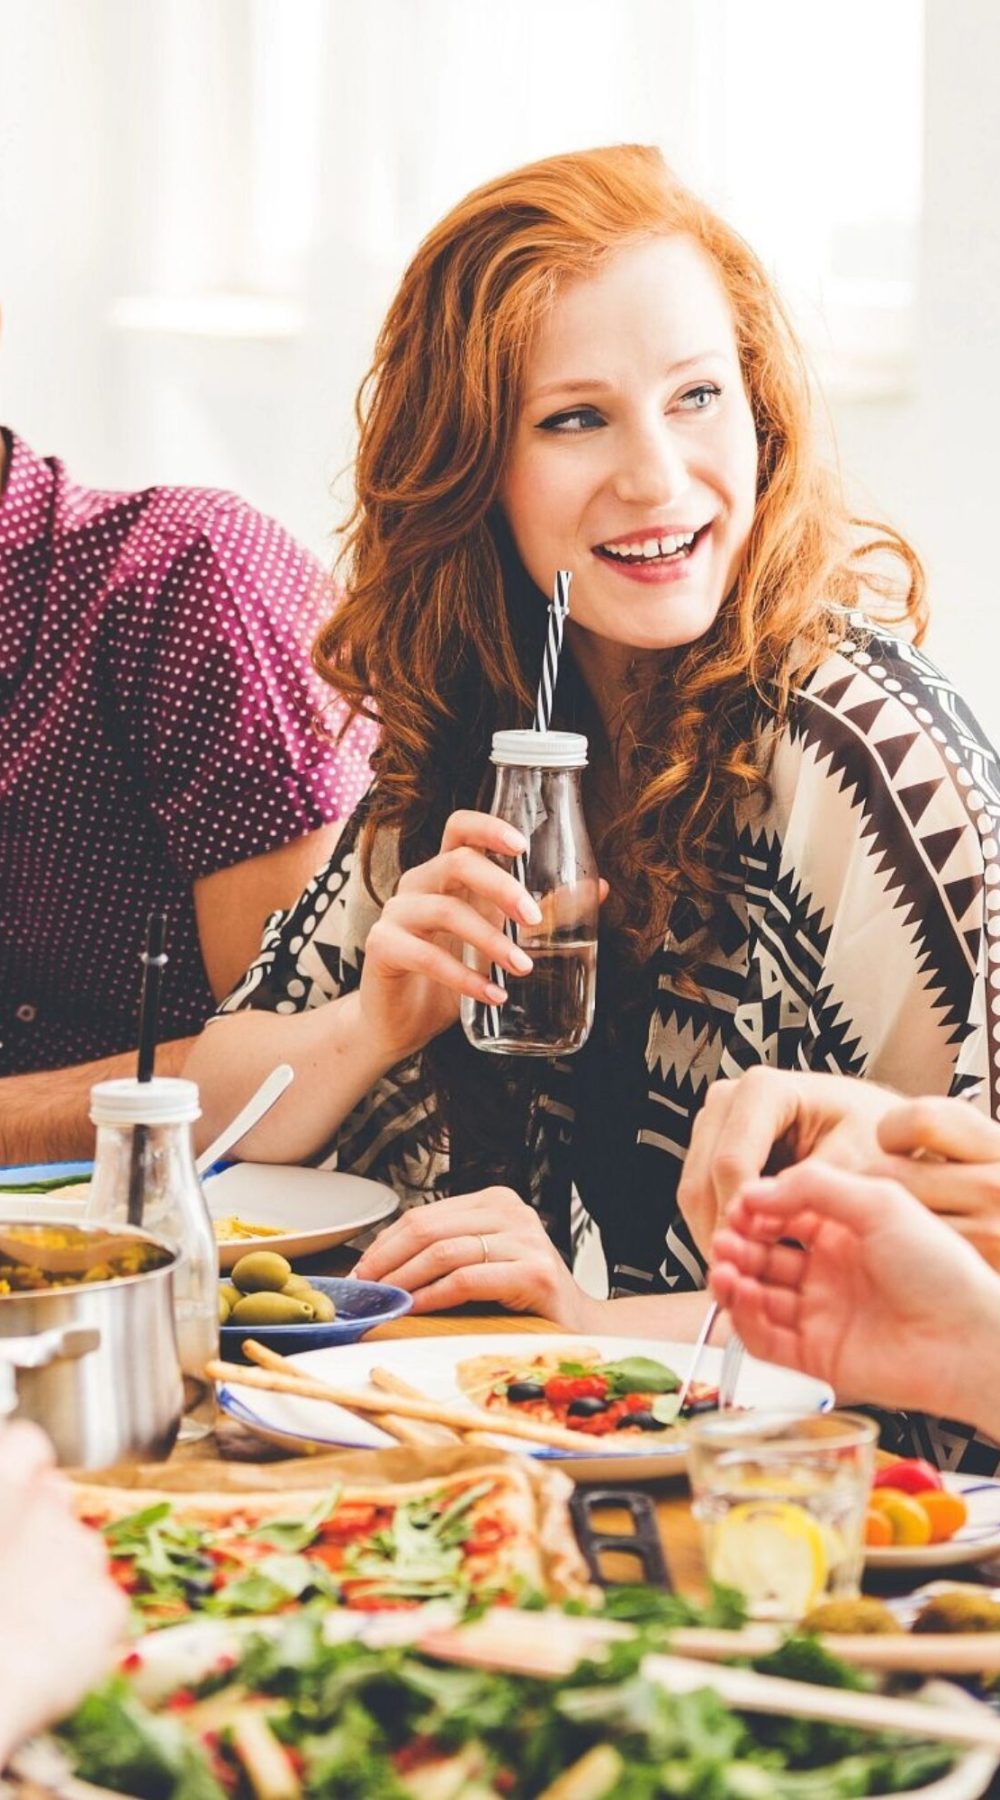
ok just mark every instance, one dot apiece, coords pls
pixel 485 1380
pixel 502 1541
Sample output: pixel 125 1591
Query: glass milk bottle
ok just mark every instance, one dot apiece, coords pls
pixel 144 1175
pixel 550 1011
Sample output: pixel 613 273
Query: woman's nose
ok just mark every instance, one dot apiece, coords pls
pixel 653 469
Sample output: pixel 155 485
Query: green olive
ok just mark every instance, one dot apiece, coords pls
pixel 263 1271
pixel 297 1284
pixel 265 1308
pixel 324 1311
pixel 225 1306
pixel 229 1293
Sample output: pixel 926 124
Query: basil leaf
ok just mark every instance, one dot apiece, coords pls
pixel 639 1375
pixel 296 1534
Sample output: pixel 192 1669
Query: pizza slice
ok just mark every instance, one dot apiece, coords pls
pixel 576 1388
pixel 470 1536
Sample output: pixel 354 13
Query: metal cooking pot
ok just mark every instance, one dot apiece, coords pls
pixel 94 1363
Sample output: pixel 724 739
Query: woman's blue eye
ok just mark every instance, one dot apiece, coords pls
pixel 580 418
pixel 698 399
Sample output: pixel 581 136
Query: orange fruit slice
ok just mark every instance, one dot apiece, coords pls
pixel 947 1514
pixel 878 1529
pixel 911 1526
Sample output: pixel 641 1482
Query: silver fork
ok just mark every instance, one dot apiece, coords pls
pixel 732 1363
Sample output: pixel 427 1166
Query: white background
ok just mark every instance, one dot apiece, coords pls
pixel 205 204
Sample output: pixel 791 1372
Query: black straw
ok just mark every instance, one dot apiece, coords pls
pixel 153 960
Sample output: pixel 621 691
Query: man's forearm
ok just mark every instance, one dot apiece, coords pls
pixel 45 1116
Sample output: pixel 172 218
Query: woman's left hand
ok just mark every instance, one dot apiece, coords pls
pixel 948 1154
pixel 485 1246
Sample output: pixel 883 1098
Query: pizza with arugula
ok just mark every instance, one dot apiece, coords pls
pixel 635 1396
pixel 467 1537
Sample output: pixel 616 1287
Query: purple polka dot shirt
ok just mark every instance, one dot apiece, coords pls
pixel 157 723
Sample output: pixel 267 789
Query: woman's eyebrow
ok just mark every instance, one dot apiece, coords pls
pixel 593 385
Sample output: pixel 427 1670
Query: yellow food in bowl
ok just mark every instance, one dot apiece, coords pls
pixel 233 1227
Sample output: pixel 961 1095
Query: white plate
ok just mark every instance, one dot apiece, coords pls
pixel 315 1208
pixel 428 1363
pixel 978 1539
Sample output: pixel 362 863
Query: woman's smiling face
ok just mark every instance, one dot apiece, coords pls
pixel 634 460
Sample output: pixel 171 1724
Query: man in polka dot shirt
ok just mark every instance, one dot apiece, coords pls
pixel 158 749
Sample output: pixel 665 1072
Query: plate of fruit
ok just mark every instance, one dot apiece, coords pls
pixel 919 1518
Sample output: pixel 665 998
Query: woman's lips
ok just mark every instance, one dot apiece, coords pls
pixel 658 570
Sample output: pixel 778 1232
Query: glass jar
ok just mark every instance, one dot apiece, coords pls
pixel 144 1175
pixel 550 1011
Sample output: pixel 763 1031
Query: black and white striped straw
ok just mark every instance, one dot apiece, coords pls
pixel 558 614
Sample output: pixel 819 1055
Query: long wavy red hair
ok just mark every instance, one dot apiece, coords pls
pixel 440 630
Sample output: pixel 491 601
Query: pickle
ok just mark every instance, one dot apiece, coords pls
pixel 269 1308
pixel 263 1271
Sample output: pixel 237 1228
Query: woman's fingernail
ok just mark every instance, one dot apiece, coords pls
pixel 514 841
pixel 521 960
pixel 530 910
pixel 494 994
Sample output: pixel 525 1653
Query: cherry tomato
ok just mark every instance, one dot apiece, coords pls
pixel 911 1475
pixel 560 1389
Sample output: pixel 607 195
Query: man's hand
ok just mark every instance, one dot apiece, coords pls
pixel 766 1120
pixel 879 1298
pixel 948 1155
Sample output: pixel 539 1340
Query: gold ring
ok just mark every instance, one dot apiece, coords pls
pixel 486 1248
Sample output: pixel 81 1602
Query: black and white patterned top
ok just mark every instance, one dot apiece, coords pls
pixel 862 937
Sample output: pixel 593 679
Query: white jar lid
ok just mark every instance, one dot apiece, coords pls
pixel 166 1100
pixel 540 749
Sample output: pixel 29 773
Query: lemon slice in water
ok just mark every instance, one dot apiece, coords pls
pixel 775 1553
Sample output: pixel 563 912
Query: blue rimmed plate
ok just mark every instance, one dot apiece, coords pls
pixel 430 1364
pixel 361 1305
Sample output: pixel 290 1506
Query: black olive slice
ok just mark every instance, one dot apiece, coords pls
pixel 525 1390
pixel 587 1406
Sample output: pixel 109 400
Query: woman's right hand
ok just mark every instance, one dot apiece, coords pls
pixel 414 975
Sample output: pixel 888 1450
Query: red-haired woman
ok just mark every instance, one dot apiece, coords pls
pixel 585 368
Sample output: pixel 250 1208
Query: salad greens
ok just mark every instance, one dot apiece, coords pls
pixel 350 1722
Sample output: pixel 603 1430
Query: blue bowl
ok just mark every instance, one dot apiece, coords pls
pixel 361 1305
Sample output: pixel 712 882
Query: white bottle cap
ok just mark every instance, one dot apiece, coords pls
pixel 163 1101
pixel 539 749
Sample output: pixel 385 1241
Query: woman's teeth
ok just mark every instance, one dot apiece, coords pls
pixel 650 550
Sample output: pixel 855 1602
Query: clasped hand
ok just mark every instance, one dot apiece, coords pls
pixel 488 1246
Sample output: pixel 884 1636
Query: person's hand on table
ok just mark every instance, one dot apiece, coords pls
pixel 948 1155
pixel 61 1614
pixel 767 1119
pixel 488 1246
pixel 879 1298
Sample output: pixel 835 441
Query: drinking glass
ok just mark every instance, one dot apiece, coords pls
pixel 781 1500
